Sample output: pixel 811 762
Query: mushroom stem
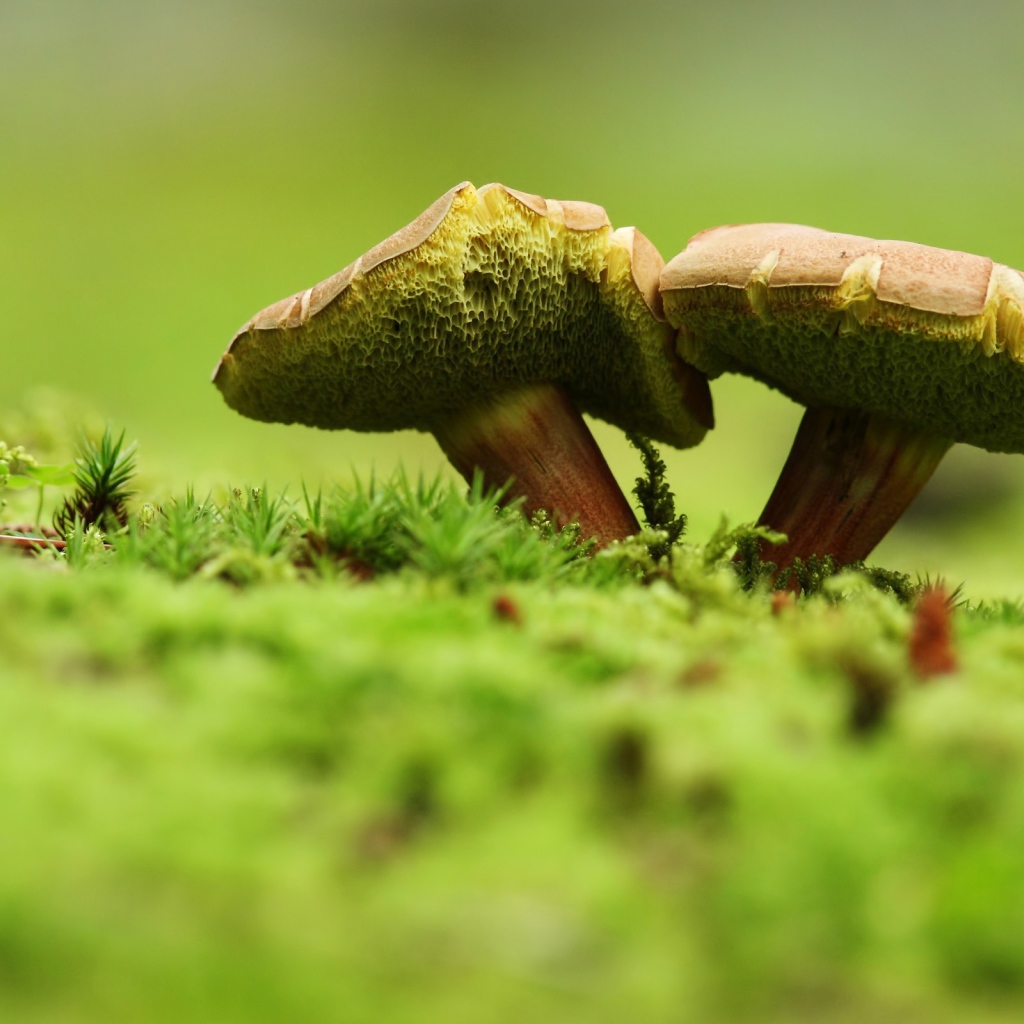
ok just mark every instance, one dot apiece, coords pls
pixel 849 477
pixel 536 437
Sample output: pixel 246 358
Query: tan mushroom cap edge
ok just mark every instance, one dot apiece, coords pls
pixel 985 298
pixel 298 309
pixel 646 266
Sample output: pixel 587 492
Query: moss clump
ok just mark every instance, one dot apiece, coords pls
pixel 392 753
pixel 386 798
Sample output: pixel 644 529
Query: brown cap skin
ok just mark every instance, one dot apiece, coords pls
pixel 791 255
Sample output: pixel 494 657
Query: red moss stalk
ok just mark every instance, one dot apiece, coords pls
pixel 931 649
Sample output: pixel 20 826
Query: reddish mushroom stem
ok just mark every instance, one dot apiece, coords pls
pixel 536 437
pixel 849 477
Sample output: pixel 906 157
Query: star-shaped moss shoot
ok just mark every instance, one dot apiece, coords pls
pixel 897 350
pixel 490 321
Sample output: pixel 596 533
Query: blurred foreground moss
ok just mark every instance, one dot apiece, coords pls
pixel 413 799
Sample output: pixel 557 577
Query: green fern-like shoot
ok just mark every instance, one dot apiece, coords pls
pixel 657 502
pixel 103 473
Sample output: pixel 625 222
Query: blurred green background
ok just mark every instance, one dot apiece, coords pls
pixel 168 169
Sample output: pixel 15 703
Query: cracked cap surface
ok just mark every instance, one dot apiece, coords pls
pixel 927 337
pixel 486 290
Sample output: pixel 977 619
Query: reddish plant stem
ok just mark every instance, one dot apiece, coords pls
pixel 930 649
pixel 29 528
pixel 46 538
pixel 31 543
pixel 848 479
pixel 536 437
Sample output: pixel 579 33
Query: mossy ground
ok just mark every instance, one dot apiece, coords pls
pixel 492 781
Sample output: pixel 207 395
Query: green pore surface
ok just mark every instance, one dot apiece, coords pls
pixel 900 366
pixel 487 786
pixel 496 297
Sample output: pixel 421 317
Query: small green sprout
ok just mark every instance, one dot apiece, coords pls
pixel 102 473
pixel 19 469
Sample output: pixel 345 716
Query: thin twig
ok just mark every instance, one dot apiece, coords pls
pixel 46 531
pixel 38 543
pixel 32 543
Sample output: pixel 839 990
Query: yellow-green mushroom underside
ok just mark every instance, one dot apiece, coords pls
pixel 898 350
pixel 491 321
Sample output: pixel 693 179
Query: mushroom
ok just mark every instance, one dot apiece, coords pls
pixel 898 350
pixel 491 320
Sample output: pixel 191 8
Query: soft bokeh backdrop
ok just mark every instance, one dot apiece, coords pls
pixel 168 169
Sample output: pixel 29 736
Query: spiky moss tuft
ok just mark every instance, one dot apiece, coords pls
pixel 826 347
pixel 495 296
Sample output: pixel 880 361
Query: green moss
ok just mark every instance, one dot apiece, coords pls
pixel 655 497
pixel 390 753
pixel 361 799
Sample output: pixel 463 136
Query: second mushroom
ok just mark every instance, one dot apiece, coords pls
pixel 897 350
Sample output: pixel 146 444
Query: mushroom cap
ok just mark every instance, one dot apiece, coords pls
pixel 488 289
pixel 927 337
